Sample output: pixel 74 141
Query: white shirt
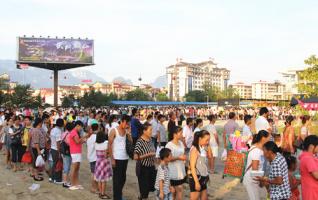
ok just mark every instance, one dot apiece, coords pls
pixel 55 136
pixel 176 168
pixel 304 131
pixel 212 130
pixel 154 125
pixel 91 151
pixel 254 154
pixel 247 133
pixel 119 147
pixel 261 123
pixel 89 122
pixel 162 131
pixel 188 135
pixel 101 147
pixel 1 121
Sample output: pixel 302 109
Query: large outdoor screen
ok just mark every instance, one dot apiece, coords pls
pixel 46 50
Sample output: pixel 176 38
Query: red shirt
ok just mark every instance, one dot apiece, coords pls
pixel 309 185
pixel 74 147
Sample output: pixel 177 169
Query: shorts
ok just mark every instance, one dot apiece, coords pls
pixel 165 197
pixel 174 183
pixel 215 152
pixel 203 180
pixel 76 157
pixel 92 166
pixel 67 161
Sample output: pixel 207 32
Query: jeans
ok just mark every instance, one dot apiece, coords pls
pixel 17 152
pixel 119 178
pixel 154 142
pixel 67 161
pixel 55 175
pixel 146 181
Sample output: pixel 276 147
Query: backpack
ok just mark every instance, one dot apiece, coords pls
pixel 65 148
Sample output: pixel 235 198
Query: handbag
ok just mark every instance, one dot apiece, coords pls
pixel 65 148
pixel 129 148
pixel 59 166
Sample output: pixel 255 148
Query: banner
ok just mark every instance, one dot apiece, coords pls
pixel 235 164
pixel 46 50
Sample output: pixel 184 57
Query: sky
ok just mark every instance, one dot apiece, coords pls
pixel 255 39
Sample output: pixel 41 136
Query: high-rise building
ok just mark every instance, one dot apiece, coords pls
pixel 244 90
pixel 291 78
pixel 184 77
pixel 268 90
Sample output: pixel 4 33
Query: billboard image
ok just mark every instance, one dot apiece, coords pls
pixel 46 50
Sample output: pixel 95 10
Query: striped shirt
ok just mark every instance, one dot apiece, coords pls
pixel 163 175
pixel 144 147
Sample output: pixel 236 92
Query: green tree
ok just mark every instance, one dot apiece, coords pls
pixel 196 96
pixel 162 97
pixel 22 96
pixel 96 99
pixel 68 101
pixel 308 83
pixel 37 101
pixel 137 95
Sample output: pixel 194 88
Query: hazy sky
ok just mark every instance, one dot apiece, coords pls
pixel 255 39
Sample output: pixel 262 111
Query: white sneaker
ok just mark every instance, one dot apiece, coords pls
pixel 80 187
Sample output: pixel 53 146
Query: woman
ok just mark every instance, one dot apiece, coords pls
pixel 145 155
pixel 55 136
pixel 112 123
pixel 37 145
pixel 7 130
pixel 176 165
pixel 277 182
pixel 309 168
pixel 198 125
pixel 214 142
pixel 255 162
pixel 65 151
pixel 288 136
pixel 199 175
pixel 304 130
pixel 103 169
pixel 16 143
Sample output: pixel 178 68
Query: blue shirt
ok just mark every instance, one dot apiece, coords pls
pixel 135 127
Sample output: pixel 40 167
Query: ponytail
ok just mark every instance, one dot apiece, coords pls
pixel 258 137
pixel 175 130
pixel 197 122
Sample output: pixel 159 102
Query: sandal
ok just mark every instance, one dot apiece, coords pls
pixel 104 196
pixel 38 178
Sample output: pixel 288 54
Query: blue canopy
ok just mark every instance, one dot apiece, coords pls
pixel 162 103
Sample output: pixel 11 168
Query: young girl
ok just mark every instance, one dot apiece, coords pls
pixel 103 170
pixel 294 183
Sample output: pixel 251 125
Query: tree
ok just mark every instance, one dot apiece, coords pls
pixel 68 101
pixel 137 95
pixel 162 97
pixel 196 96
pixel 22 96
pixel 308 84
pixel 37 101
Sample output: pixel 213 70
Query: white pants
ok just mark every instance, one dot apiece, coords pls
pixel 253 189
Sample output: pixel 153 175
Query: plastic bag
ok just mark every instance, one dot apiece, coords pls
pixel 39 161
pixel 158 151
pixel 224 155
pixel 27 158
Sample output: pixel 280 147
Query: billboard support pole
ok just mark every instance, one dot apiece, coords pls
pixel 55 87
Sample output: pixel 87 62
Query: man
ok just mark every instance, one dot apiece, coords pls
pixel 172 122
pixel 91 154
pixel 154 125
pixel 118 155
pixel 229 128
pixel 261 122
pixel 56 133
pixel 135 125
pixel 188 134
pixel 161 131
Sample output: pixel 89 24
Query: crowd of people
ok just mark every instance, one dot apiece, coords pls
pixel 166 158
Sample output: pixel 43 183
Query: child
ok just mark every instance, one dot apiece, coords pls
pixel 91 154
pixel 163 189
pixel 294 183
pixel 103 170
pixel 247 133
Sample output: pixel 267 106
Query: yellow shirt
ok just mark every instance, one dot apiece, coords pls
pixel 25 138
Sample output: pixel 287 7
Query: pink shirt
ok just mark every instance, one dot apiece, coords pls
pixel 74 147
pixel 309 185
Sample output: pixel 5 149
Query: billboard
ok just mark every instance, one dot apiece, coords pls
pixel 46 50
